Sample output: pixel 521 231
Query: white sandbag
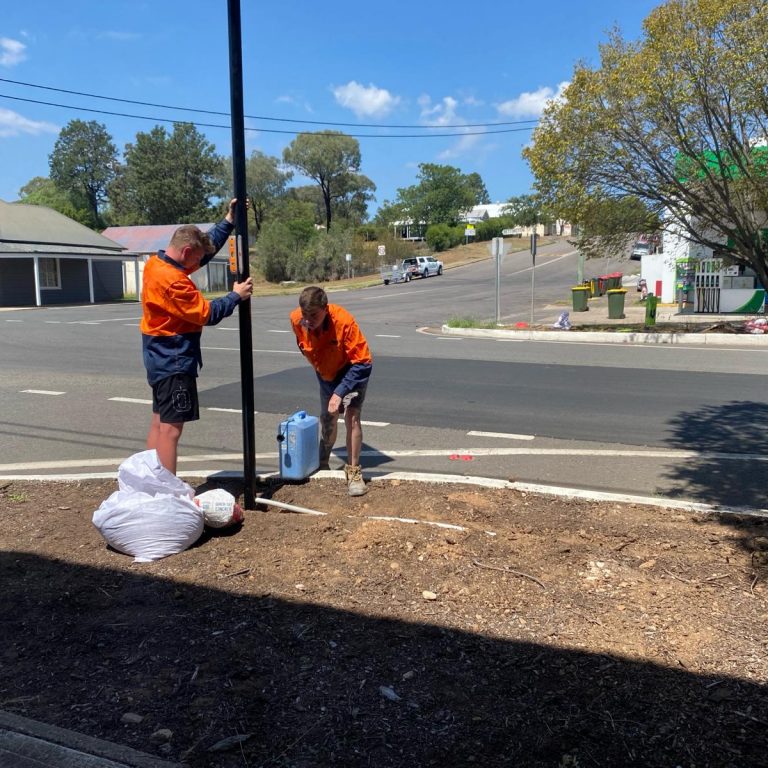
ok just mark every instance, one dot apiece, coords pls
pixel 152 515
pixel 220 508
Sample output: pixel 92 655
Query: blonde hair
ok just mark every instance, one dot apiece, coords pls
pixel 190 235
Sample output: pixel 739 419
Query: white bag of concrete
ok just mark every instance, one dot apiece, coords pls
pixel 220 508
pixel 153 514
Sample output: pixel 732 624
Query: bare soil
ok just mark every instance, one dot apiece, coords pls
pixel 537 631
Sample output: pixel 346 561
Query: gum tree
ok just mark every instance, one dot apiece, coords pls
pixel 674 123
pixel 332 159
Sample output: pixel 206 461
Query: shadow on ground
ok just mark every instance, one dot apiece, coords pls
pixel 307 685
pixel 716 476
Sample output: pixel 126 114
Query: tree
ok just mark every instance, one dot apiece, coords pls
pixel 43 191
pixel 332 159
pixel 442 194
pixel 477 185
pixel 676 121
pixel 168 179
pixel 524 210
pixel 83 163
pixel 265 184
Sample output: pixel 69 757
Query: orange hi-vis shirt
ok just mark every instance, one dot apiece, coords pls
pixel 336 350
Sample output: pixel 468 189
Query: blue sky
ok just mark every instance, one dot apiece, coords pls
pixel 422 64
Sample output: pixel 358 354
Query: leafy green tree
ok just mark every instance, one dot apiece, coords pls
pixel 524 210
pixel 477 185
pixel 43 191
pixel 332 159
pixel 168 179
pixel 265 184
pixel 442 194
pixel 677 121
pixel 83 164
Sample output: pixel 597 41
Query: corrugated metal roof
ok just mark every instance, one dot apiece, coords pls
pixel 35 229
pixel 148 239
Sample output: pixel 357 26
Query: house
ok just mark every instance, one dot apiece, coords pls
pixel 148 240
pixel 47 258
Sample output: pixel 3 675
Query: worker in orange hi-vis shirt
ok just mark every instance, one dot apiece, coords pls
pixel 174 313
pixel 329 337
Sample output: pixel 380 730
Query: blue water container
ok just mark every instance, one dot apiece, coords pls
pixel 298 446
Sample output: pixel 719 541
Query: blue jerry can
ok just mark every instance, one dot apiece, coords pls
pixel 298 446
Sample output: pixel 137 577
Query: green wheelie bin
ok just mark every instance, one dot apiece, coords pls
pixel 616 303
pixel 580 297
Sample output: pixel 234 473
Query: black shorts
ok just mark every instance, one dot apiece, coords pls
pixel 175 399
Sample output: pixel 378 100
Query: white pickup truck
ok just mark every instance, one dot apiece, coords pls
pixel 424 266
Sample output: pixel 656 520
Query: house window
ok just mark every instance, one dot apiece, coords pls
pixel 50 274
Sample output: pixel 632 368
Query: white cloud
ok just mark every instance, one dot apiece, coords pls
pixel 441 114
pixel 12 52
pixel 117 35
pixel 531 104
pixel 463 146
pixel 13 124
pixel 365 102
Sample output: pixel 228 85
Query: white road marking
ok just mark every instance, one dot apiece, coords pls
pixel 507 435
pixel 132 325
pixel 130 400
pixel 261 351
pixel 226 410
pixel 391 296
pixel 83 322
pixel 275 330
pixel 42 392
pixel 14 321
pixel 64 464
pixel 449 338
pixel 53 322
pixel 375 423
pixel 387 336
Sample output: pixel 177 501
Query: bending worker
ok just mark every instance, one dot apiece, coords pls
pixel 329 337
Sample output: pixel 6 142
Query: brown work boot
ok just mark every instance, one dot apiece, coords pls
pixel 355 483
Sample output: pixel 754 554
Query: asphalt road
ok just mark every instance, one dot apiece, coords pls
pixel 683 422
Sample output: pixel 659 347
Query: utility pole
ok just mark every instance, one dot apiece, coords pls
pixel 243 267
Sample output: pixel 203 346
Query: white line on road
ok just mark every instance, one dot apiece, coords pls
pixel 42 392
pixel 275 330
pixel 474 452
pixel 130 400
pixel 83 322
pixel 262 351
pixel 14 321
pixel 449 338
pixel 375 423
pixel 227 410
pixel 393 296
pixel 386 336
pixel 507 435
pixel 53 322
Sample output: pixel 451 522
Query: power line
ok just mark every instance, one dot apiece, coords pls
pixel 256 117
pixel 269 130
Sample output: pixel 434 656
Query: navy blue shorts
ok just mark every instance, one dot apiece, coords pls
pixel 353 399
pixel 175 399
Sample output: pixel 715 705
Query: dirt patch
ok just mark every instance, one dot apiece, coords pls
pixel 533 631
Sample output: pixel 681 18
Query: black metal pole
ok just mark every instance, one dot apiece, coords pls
pixel 241 222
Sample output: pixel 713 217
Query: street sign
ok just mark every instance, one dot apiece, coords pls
pixel 469 231
pixel 382 250
pixel 507 232
pixel 349 256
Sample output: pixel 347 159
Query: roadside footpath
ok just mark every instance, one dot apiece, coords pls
pixel 595 326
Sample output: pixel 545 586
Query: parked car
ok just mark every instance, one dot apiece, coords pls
pixel 423 265
pixel 639 250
